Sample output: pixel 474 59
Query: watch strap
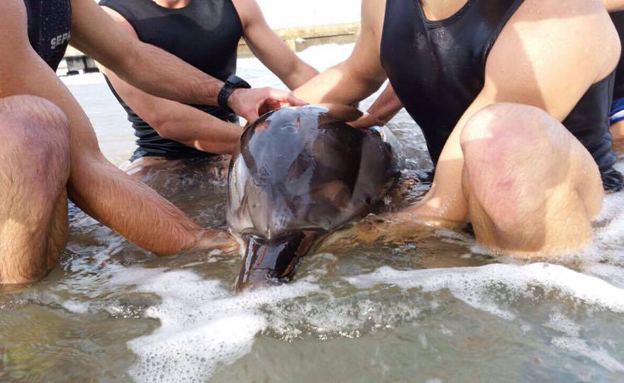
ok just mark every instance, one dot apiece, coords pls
pixel 232 83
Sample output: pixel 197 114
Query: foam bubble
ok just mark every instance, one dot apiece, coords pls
pixel 599 355
pixel 175 353
pixel 75 307
pixel 203 326
pixel 561 323
pixel 344 316
pixel 608 239
pixel 476 286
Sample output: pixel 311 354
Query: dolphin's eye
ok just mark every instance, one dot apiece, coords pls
pixel 289 128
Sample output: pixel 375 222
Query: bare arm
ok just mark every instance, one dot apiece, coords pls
pixel 95 185
pixel 270 49
pixel 173 120
pixel 154 70
pixel 614 5
pixel 361 74
pixel 386 106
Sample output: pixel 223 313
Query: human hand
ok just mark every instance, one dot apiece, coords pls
pixel 396 227
pixel 217 240
pixel 252 103
pixel 366 121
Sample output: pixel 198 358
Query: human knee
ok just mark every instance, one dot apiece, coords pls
pixel 34 125
pixel 34 117
pixel 505 151
pixel 505 124
pixel 509 135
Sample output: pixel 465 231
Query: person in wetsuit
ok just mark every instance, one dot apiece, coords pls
pixel 514 109
pixel 204 34
pixel 49 151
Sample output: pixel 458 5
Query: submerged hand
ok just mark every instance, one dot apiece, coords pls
pixel 397 227
pixel 217 240
pixel 252 103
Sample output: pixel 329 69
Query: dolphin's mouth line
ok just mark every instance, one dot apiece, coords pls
pixel 275 261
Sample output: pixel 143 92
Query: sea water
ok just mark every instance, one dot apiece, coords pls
pixel 437 309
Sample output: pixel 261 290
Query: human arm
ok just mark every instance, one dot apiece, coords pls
pixel 95 185
pixel 613 5
pixel 156 71
pixel 174 120
pixel 385 107
pixel 270 49
pixel 361 74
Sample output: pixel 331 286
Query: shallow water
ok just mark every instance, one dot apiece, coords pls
pixel 435 310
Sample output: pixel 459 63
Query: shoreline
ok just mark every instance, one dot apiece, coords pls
pixel 297 38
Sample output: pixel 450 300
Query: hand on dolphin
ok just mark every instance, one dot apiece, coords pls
pixel 252 103
pixel 217 240
pixel 365 121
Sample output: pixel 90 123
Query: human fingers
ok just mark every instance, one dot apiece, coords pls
pixel 366 121
pixel 284 97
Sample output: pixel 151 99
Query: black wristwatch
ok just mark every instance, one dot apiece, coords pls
pixel 232 83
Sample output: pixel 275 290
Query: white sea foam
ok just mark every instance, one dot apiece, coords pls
pixel 563 324
pixel 598 355
pixel 610 232
pixel 203 326
pixel 75 307
pixel 477 286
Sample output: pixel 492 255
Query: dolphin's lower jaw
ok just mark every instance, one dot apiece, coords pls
pixel 273 262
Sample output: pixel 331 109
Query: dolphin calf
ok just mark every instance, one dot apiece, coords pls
pixel 300 173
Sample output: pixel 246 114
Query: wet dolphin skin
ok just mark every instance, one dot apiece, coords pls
pixel 299 174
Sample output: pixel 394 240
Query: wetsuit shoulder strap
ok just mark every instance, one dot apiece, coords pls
pixel 493 37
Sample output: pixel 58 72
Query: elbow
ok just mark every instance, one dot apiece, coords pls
pixel 161 121
pixel 165 128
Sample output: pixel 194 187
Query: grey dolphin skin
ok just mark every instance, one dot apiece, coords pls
pixel 300 173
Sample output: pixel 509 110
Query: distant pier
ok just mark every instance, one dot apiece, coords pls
pixel 297 38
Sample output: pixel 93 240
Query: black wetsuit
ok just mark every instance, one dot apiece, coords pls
pixel 437 69
pixel 205 34
pixel 49 24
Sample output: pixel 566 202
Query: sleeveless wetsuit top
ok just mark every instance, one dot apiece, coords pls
pixel 49 25
pixel 618 20
pixel 437 69
pixel 205 34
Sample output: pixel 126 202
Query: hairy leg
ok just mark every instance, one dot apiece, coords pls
pixel 34 168
pixel 531 187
